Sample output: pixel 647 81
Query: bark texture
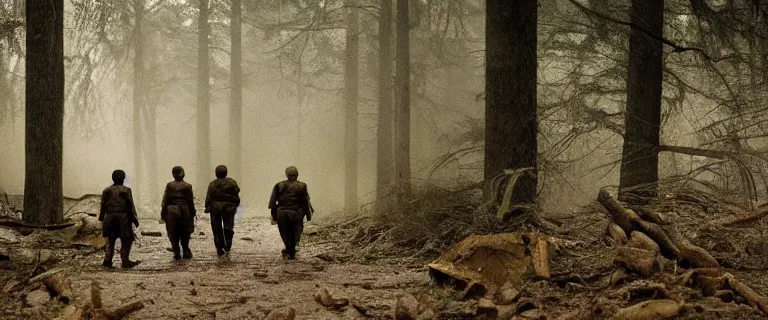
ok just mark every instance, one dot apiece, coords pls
pixel 44 110
pixel 384 147
pixel 204 169
pixel 640 154
pixel 510 114
pixel 236 94
pixel 403 101
pixel 351 66
pixel 139 103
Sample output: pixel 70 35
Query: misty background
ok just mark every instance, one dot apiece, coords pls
pixel 293 82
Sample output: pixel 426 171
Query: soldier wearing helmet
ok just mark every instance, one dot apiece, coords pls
pixel 289 204
pixel 221 202
pixel 117 213
pixel 178 213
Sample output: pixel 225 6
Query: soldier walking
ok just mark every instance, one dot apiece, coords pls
pixel 178 213
pixel 221 202
pixel 289 204
pixel 117 214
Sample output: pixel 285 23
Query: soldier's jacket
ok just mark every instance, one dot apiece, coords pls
pixel 178 193
pixel 117 199
pixel 222 190
pixel 290 195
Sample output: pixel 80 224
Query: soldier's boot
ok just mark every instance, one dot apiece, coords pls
pixel 228 235
pixel 109 252
pixel 185 247
pixel 176 250
pixel 125 252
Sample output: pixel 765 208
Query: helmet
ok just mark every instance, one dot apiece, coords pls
pixel 221 171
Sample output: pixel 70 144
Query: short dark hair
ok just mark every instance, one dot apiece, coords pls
pixel 221 171
pixel 118 176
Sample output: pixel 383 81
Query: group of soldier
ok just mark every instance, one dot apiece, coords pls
pixel 289 205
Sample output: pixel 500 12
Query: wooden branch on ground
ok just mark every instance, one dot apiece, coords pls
pixel 21 224
pixel 58 285
pixel 745 291
pixel 672 246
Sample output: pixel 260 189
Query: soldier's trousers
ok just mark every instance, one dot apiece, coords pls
pixel 125 250
pixel 179 224
pixel 223 225
pixel 290 222
pixel 117 225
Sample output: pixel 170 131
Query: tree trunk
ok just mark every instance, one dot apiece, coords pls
pixel 384 148
pixel 403 100
pixel 510 103
pixel 640 155
pixel 350 108
pixel 138 97
pixel 203 102
pixel 236 98
pixel 43 194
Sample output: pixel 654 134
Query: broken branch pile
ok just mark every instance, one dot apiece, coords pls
pixel 647 239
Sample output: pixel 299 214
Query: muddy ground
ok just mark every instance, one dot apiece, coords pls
pixel 248 284
pixel 360 259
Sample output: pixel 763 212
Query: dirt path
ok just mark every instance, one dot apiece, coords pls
pixel 247 285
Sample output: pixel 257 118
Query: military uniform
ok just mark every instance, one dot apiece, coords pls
pixel 222 201
pixel 178 212
pixel 117 214
pixel 289 204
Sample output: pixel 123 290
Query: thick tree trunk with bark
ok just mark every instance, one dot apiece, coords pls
pixel 350 108
pixel 43 194
pixel 403 104
pixel 384 148
pixel 510 103
pixel 640 155
pixel 204 170
pixel 236 95
pixel 138 97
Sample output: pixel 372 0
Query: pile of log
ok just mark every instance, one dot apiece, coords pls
pixel 644 238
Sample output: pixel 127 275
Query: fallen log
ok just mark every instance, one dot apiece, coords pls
pixel 540 256
pixel 630 221
pixel 21 224
pixel 739 219
pixel 640 241
pixel 123 310
pixel 641 261
pixel 616 233
pixel 651 309
pixel 152 233
pixel 745 291
pixel 671 245
pixel 44 275
pixel 58 285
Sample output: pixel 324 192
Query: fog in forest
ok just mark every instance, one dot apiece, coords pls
pixel 293 64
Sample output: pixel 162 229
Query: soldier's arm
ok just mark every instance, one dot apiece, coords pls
pixel 164 205
pixel 134 216
pixel 103 207
pixel 305 204
pixel 236 192
pixel 208 198
pixel 191 202
pixel 273 201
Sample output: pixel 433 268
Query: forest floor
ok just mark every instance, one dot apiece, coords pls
pixel 373 263
pixel 249 283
